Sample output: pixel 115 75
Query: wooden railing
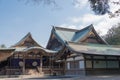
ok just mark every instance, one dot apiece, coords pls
pixel 51 67
pixel 12 67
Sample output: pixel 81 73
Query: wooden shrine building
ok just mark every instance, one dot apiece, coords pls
pixel 68 52
pixel 84 52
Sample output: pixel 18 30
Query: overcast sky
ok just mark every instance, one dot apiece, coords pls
pixel 18 18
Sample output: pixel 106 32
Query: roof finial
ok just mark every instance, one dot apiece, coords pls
pixel 29 33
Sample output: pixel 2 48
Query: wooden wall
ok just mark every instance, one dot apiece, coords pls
pixel 75 66
pixel 100 65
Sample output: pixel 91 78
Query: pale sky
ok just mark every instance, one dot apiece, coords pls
pixel 18 18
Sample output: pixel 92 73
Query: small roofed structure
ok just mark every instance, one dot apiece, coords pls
pixel 27 44
pixel 29 57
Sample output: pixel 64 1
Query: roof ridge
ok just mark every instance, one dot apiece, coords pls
pixel 82 31
pixel 82 43
pixel 88 27
pixel 64 28
pixel 28 34
pixel 76 30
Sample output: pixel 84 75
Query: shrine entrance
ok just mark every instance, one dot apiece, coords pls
pixel 36 59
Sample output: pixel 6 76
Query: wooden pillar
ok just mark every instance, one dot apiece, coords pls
pixel 23 64
pixel 74 62
pixel 92 62
pixel 50 65
pixel 85 67
pixel 59 64
pixel 40 69
pixel 64 68
pixel 119 63
pixel 106 62
pixel 9 67
pixel 74 65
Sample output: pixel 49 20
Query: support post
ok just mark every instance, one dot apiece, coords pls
pixel 40 64
pixel 74 63
pixel 50 65
pixel 74 66
pixel 64 71
pixel 23 64
pixel 59 65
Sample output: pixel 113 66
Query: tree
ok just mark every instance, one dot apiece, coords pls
pixel 100 7
pixel 113 35
pixel 2 46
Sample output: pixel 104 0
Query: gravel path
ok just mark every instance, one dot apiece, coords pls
pixel 112 77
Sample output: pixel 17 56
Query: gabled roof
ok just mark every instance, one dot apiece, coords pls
pixel 65 34
pixel 27 44
pixel 75 35
pixel 81 33
pixel 27 41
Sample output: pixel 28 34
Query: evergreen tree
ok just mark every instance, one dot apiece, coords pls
pixel 113 35
pixel 2 46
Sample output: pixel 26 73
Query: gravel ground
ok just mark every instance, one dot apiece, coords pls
pixel 110 77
